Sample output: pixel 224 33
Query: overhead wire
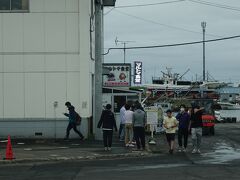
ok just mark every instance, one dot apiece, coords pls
pixel 150 4
pixel 223 6
pixel 144 5
pixel 165 25
pixel 172 45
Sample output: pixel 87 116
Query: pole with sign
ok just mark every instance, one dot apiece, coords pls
pixel 152 120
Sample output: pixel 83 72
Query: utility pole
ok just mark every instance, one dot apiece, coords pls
pixel 203 24
pixel 99 44
pixel 97 110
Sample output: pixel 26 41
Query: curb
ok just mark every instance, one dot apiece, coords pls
pixel 91 157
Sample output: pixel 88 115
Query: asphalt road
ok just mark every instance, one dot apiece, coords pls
pixel 220 160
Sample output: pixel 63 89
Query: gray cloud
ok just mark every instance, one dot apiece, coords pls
pixel 222 58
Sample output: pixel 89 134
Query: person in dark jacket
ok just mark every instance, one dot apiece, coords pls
pixel 72 121
pixel 196 127
pixel 107 122
pixel 184 119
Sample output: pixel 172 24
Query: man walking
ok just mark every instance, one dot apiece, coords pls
pixel 196 126
pixel 72 115
pixel 184 119
pixel 139 123
pixel 170 123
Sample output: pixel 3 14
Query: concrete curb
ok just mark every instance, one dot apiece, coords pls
pixel 90 157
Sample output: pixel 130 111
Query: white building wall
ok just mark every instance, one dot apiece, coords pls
pixel 45 57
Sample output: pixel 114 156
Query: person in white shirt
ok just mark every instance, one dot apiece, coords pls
pixel 170 123
pixel 128 126
pixel 122 123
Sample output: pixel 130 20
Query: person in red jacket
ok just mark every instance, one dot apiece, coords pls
pixel 107 122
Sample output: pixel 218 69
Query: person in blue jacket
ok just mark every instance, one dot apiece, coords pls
pixel 72 121
pixel 183 129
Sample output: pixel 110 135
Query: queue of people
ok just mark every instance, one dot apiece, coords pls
pixel 133 120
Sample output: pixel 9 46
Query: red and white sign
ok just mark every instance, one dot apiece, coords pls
pixel 119 75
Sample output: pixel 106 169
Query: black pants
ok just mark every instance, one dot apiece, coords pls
pixel 107 138
pixel 183 133
pixel 139 135
pixel 74 127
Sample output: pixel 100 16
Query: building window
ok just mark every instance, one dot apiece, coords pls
pixel 14 5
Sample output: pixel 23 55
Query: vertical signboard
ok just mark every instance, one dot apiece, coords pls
pixel 137 72
pixel 119 75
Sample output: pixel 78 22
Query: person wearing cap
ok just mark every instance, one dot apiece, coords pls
pixel 107 122
pixel 170 123
pixel 184 119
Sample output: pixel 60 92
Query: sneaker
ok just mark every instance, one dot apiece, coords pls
pixel 184 150
pixel 180 149
pixel 82 138
pixel 105 149
pixel 130 145
pixel 194 151
pixel 133 142
pixel 109 148
pixel 127 145
pixel 198 151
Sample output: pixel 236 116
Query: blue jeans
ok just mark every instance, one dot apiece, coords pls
pixel 122 132
pixel 196 137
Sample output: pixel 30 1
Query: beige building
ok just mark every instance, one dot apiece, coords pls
pixel 47 54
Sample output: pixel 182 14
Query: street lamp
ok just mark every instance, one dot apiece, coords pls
pixel 204 24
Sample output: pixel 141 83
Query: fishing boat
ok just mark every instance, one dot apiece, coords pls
pixel 229 106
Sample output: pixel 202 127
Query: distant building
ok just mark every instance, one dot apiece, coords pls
pixel 229 94
pixel 47 54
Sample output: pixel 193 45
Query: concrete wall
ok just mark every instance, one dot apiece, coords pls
pixel 45 57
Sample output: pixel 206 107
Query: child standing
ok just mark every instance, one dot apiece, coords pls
pixel 170 123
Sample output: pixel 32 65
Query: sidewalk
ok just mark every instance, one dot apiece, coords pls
pixel 34 151
pixel 30 151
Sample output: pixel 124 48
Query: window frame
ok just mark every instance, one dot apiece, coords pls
pixel 16 10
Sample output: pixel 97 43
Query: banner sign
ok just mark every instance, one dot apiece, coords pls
pixel 137 72
pixel 119 75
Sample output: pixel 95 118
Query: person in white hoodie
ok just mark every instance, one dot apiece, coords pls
pixel 128 126
pixel 122 123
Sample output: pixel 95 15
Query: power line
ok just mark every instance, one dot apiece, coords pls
pixel 172 45
pixel 161 24
pixel 223 6
pixel 143 5
pixel 151 4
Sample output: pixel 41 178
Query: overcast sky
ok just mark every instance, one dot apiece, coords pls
pixel 172 23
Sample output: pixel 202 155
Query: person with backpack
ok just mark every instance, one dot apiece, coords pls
pixel 74 120
pixel 107 122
